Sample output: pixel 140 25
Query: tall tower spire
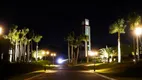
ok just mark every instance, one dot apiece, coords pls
pixel 87 32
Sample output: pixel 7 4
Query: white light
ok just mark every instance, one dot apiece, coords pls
pixel 60 61
pixel 138 31
pixel 91 53
pixel 0 30
pixel 86 22
pixel 43 52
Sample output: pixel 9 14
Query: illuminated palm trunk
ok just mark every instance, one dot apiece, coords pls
pixel 86 51
pixel 68 51
pixel 16 50
pixel 20 51
pixel 28 52
pixel 36 51
pixel 77 55
pixel 119 49
pixel 24 51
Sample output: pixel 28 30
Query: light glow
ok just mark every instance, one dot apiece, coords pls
pixel 0 30
pixel 138 31
pixel 47 52
pixel 60 61
pixel 53 54
pixel 43 52
pixel 92 53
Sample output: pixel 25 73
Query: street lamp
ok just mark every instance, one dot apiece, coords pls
pixel 43 52
pixel 138 32
pixel 47 52
pixel 53 55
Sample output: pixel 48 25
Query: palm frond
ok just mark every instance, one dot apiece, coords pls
pixel 134 20
pixel 118 26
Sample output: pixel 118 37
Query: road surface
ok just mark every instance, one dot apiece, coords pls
pixel 68 75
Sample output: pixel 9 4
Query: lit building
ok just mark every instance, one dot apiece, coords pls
pixel 87 31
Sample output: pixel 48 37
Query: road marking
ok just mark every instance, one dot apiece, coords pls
pixel 104 76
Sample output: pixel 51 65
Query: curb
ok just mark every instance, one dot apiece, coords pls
pixel 104 76
pixel 34 76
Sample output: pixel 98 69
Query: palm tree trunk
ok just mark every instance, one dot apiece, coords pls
pixel 36 51
pixel 71 53
pixel 134 48
pixel 16 51
pixel 24 52
pixel 77 54
pixel 28 52
pixel 31 49
pixel 119 49
pixel 138 56
pixel 13 54
pixel 20 54
pixel 68 51
pixel 86 51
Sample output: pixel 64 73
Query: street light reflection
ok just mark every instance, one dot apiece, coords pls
pixel 50 71
pixel 87 71
pixel 90 64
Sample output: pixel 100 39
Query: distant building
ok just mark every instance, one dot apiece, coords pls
pixel 87 31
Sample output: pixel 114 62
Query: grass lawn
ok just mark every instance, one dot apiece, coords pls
pixel 27 75
pixel 8 70
pixel 121 71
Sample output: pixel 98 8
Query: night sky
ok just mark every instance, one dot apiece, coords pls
pixel 55 21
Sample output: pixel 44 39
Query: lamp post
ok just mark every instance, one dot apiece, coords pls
pixel 93 54
pixel 138 32
pixel 53 55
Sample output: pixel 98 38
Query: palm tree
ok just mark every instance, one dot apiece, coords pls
pixel 70 40
pixel 118 27
pixel 13 36
pixel 107 52
pixel 85 38
pixel 25 32
pixel 29 42
pixel 37 39
pixel 77 44
pixel 134 20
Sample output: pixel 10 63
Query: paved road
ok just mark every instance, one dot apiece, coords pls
pixel 68 75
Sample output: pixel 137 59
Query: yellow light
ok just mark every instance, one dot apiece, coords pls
pixel 96 53
pixel 54 54
pixel 50 71
pixel 47 52
pixel 0 30
pixel 51 54
pixel 40 57
pixel 91 53
pixel 138 31
pixel 43 52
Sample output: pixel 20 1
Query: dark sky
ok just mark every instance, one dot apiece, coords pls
pixel 55 21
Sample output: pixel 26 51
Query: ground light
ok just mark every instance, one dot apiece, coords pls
pixel 61 61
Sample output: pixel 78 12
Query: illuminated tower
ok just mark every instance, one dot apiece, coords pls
pixel 87 32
